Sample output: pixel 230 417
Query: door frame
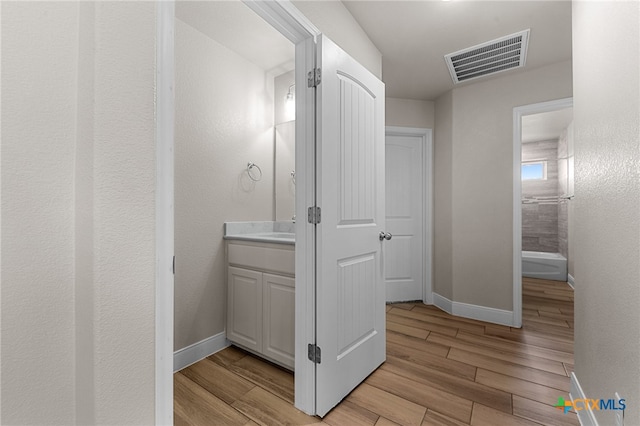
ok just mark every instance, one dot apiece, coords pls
pixel 291 23
pixel 165 123
pixel 518 113
pixel 427 202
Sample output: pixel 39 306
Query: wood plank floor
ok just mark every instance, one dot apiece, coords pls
pixel 440 370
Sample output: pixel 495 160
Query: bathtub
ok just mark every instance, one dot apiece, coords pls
pixel 548 266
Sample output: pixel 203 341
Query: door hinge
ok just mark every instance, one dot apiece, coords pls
pixel 314 215
pixel 174 265
pixel 314 77
pixel 313 353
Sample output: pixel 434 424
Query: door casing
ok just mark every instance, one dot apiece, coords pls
pixel 518 113
pixel 286 19
pixel 292 24
pixel 427 205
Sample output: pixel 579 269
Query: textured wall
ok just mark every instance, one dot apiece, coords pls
pixel 606 37
pixel 224 119
pixel 39 41
pixel 409 113
pixel 442 187
pixel 481 147
pixel 78 213
pixel 84 222
pixel 540 199
pixel 124 212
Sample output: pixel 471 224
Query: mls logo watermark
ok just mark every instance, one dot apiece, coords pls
pixel 590 404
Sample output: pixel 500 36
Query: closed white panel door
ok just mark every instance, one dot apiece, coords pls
pixel 350 291
pixel 404 209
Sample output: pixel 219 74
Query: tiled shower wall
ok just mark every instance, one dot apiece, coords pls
pixel 540 200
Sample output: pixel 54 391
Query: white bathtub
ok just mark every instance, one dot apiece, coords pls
pixel 548 266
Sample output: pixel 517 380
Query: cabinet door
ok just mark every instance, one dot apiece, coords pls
pixel 244 308
pixel 279 318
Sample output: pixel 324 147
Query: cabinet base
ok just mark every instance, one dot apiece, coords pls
pixel 262 356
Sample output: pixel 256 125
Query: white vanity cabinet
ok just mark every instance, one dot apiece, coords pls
pixel 261 299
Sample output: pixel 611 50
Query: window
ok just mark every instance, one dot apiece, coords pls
pixel 534 170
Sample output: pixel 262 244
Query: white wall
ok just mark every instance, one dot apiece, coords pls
pixel 124 212
pixel 84 222
pixel 334 20
pixel 482 179
pixel 78 213
pixel 409 113
pixel 224 119
pixel 606 47
pixel 442 196
pixel 39 44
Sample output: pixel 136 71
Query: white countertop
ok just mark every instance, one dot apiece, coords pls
pixel 265 232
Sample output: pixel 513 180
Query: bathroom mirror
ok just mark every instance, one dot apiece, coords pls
pixel 285 156
pixel 285 189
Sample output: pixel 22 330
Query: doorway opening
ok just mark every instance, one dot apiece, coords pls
pixel 300 35
pixel 343 250
pixel 542 190
pixel 232 75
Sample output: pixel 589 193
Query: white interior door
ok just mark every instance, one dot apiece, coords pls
pixel 350 294
pixel 404 209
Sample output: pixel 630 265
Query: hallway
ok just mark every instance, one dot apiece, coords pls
pixel 440 370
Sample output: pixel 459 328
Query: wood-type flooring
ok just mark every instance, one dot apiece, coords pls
pixel 440 370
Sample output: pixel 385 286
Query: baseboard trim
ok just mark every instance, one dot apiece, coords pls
pixel 193 353
pixel 443 303
pixel 585 417
pixel 571 281
pixel 480 313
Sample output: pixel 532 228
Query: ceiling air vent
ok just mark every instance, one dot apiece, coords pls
pixel 489 58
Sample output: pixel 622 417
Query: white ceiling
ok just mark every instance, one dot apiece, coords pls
pixel 414 36
pixel 545 126
pixel 235 26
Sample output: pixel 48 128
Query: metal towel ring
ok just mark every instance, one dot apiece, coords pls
pixel 252 175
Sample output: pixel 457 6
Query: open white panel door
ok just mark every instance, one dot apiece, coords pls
pixel 350 291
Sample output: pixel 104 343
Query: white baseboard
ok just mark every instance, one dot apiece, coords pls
pixel 193 353
pixel 480 313
pixel 586 417
pixel 571 281
pixel 443 303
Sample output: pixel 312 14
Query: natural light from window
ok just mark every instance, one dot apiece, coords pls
pixel 534 171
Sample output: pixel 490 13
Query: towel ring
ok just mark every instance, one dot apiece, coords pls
pixel 252 174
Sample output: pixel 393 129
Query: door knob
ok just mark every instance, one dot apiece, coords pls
pixel 385 236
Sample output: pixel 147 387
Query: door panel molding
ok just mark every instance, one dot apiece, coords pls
pixel 350 304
